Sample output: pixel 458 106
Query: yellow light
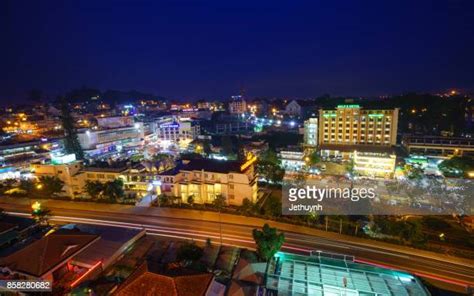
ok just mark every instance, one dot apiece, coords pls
pixel 36 206
pixel 471 174
pixel 413 111
pixel 9 122
pixel 39 186
pixel 306 159
pixel 248 162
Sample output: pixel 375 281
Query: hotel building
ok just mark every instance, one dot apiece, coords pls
pixel 352 125
pixel 365 135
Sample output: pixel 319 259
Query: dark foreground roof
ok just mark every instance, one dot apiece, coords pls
pixel 146 283
pixel 47 253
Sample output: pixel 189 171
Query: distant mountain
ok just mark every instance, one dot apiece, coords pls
pixel 110 96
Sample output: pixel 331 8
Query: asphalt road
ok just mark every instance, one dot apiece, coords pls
pixel 449 275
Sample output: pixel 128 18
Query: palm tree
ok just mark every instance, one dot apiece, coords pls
pixel 41 216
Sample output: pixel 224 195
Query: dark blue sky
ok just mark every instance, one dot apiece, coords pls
pixel 195 49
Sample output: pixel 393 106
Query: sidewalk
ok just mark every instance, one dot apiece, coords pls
pixel 228 219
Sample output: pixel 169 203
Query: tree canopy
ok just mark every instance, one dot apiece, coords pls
pixel 269 241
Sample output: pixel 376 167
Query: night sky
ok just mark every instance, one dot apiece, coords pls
pixel 210 49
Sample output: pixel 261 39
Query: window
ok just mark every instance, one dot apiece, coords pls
pixel 100 176
pixel 231 177
pixel 60 172
pixel 231 196
pixel 231 186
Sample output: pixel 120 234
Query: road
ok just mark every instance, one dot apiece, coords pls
pixel 454 276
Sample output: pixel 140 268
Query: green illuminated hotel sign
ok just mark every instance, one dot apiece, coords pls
pixel 376 115
pixel 329 115
pixel 347 106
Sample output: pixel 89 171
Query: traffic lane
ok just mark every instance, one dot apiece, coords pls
pixel 309 242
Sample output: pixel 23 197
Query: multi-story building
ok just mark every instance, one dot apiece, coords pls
pixel 63 166
pixel 204 179
pixel 238 105
pixel 176 131
pixel 374 164
pixel 311 133
pixel 102 141
pixel 438 146
pixel 366 135
pixel 292 160
pixel 352 125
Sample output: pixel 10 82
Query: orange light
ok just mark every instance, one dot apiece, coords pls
pixel 248 163
pixel 36 206
pixel 85 274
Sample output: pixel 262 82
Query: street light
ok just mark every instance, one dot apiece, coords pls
pixel 36 206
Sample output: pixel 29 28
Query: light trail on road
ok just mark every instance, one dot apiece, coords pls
pixel 240 236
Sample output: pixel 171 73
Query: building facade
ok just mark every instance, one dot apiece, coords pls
pixel 311 133
pixel 375 165
pixel 438 146
pixel 352 125
pixel 238 105
pixel 99 142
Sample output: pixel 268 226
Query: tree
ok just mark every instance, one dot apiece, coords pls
pixel 207 147
pixel 219 202
pixel 269 166
pixel 248 206
pixel 50 185
pixel 191 200
pixel 227 145
pixel 41 215
pixel 71 142
pixel 163 199
pixel 414 172
pixel 314 158
pixel 114 189
pixel 268 240
pixel 457 166
pixel 189 251
pixel 272 206
pixel 27 185
pixel 94 188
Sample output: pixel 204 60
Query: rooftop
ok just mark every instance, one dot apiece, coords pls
pixel 319 275
pixel 211 165
pixel 143 282
pixel 45 254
